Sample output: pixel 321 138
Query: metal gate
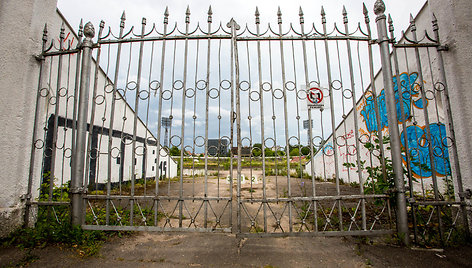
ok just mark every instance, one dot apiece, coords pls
pixel 280 130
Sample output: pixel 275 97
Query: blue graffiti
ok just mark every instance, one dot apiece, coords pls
pixel 407 84
pixel 419 152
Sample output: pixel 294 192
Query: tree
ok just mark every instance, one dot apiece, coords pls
pixel 174 151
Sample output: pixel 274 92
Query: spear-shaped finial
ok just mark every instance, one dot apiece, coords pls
pixel 300 13
pixel 187 15
pixel 323 15
pixel 366 13
pixel 390 23
pixel 435 23
pixel 413 24
pixel 81 28
pixel 45 32
pixel 166 16
pixel 63 29
pixel 379 7
pixel 123 18
pixel 232 23
pixel 210 13
pixel 257 14
pixel 344 15
pixel 143 21
pixel 279 16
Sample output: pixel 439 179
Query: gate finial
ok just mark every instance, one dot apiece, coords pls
pixel 279 16
pixel 187 15
pixel 45 32
pixel 379 7
pixel 435 23
pixel 123 18
pixel 366 13
pixel 323 15
pixel 232 23
pixel 210 13
pixel 390 23
pixel 344 15
pixel 257 14
pixel 300 13
pixel 412 23
pixel 81 28
pixel 166 16
pixel 89 30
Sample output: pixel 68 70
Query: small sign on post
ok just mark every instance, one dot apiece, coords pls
pixel 315 98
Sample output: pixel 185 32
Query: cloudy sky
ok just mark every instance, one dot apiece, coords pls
pixel 219 112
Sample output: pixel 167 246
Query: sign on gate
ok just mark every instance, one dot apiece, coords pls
pixel 315 98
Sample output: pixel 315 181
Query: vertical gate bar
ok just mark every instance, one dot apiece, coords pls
pixel 77 180
pixel 231 121
pixel 427 128
pixel 56 114
pixel 404 126
pixel 207 103
pixel 195 118
pixel 76 96
pixel 310 124
pixel 356 123
pixel 234 56
pixel 274 125
pixel 287 149
pixel 450 123
pixel 112 118
pixel 159 116
pixel 333 123
pixel 249 118
pixel 261 99
pixel 37 114
pixel 92 112
pixel 135 122
pixel 374 93
pixel 402 218
pixel 182 131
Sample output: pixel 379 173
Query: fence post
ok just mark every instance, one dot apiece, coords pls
pixel 395 143
pixel 77 179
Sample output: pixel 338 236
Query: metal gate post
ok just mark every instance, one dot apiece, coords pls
pixel 383 41
pixel 77 178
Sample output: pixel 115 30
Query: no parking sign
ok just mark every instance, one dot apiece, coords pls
pixel 315 98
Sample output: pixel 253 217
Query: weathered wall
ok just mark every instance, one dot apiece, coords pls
pixel 21 25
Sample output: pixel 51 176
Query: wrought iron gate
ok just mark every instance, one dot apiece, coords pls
pixel 233 101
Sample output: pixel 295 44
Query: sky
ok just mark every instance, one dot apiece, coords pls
pixel 276 131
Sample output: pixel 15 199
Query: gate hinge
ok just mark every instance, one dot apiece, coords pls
pixel 443 48
pixel 466 194
pixel 39 57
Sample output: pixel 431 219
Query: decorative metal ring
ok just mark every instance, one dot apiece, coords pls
pixel 48 152
pixel 406 95
pixel 94 153
pixel 131 85
pixel 201 84
pixel 225 84
pixel 189 148
pixel 301 94
pixel 144 96
pixel 256 97
pixel 151 141
pixel 165 150
pixel 339 143
pixel 140 150
pixel 189 92
pixel 44 92
pixel 52 100
pixel 364 138
pixel 375 152
pixel 266 86
pixel 336 84
pixel 67 152
pixel 347 94
pixel 439 86
pixel 301 151
pixel 351 150
pixel 267 145
pixel 278 94
pixel 99 99
pixel 369 95
pixel 447 142
pixel 414 152
pixel 422 140
pixel 127 140
pixel 108 88
pixel 38 144
pixel 429 95
pixel 328 148
pixel 438 151
pixel 256 150
pixel 174 142
pixel 246 86
pixel 62 91
pixel 166 95
pixel 214 93
pixel 416 88
pixel 296 139
pixel 121 94
pixel 317 141
pixel 314 84
pixel 290 85
pixel 246 139
pixel 115 152
pixel 154 85
pixel 274 117
pixel 199 141
pixel 178 84
pixel 215 149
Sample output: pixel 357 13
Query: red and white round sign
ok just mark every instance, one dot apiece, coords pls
pixel 315 97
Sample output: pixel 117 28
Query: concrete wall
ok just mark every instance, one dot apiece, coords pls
pixel 21 25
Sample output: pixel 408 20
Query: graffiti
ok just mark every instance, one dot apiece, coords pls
pixel 409 96
pixel 419 153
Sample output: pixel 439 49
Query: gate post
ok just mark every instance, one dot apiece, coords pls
pixel 395 143
pixel 77 179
